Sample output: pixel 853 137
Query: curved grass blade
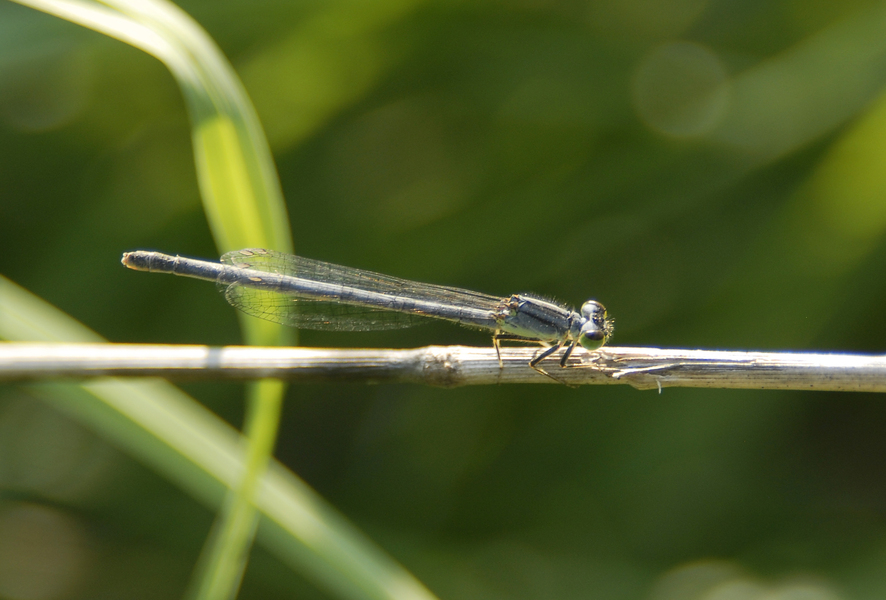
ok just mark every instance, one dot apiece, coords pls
pixel 176 436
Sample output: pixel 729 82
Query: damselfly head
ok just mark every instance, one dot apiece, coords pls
pixel 597 329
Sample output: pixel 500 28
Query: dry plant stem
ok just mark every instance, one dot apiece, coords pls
pixel 449 366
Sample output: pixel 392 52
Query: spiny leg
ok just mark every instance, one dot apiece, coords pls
pixel 566 354
pixel 496 341
pixel 544 355
pixel 498 337
pixel 534 362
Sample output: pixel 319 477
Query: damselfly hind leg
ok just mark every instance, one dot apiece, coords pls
pixel 496 341
pixel 548 351
pixel 499 337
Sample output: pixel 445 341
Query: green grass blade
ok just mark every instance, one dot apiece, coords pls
pixel 222 564
pixel 242 200
pixel 244 207
pixel 176 436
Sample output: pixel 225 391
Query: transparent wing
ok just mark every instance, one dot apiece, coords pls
pixel 308 313
pixel 311 310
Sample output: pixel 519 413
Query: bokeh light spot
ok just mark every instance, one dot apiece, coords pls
pixel 646 18
pixel 42 553
pixel 849 187
pixel 45 90
pixel 681 89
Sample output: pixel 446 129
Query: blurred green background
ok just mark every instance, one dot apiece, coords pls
pixel 712 171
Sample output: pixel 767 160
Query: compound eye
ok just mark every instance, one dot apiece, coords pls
pixel 592 337
pixel 593 310
pixel 597 328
